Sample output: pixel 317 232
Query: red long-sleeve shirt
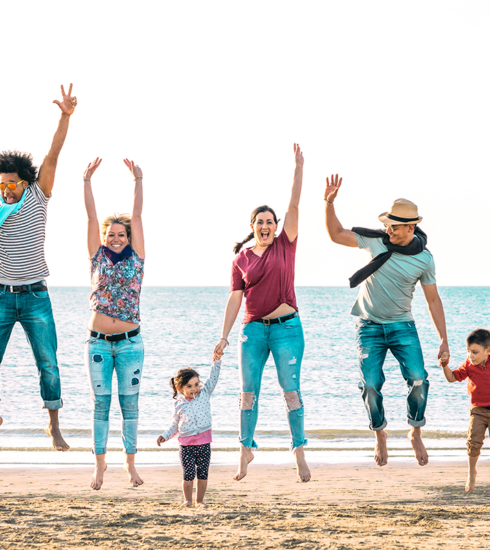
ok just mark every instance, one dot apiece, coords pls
pixel 478 381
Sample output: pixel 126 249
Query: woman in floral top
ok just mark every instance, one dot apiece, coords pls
pixel 114 342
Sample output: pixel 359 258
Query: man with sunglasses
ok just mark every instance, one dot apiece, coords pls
pixel 23 293
pixel 399 259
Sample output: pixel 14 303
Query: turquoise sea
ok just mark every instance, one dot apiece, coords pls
pixel 180 326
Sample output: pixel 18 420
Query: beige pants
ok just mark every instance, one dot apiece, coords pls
pixel 479 423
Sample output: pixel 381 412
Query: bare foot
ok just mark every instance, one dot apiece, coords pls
pixel 418 446
pixel 246 457
pixel 202 504
pixel 471 481
pixel 302 468
pixel 380 449
pixel 98 476
pixel 58 442
pixel 133 475
pixel 187 503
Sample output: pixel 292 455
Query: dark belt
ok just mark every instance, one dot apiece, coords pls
pixel 277 320
pixel 115 337
pixel 18 289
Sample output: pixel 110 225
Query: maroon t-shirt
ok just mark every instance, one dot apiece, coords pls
pixel 267 280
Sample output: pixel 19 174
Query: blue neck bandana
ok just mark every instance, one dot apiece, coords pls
pixel 7 209
pixel 117 257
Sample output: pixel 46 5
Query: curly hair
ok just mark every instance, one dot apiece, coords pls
pixel 123 219
pixel 18 163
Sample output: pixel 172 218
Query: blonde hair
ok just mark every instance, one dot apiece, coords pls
pixel 123 219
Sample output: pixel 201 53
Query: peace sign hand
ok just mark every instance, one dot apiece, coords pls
pixel 69 103
pixel 332 189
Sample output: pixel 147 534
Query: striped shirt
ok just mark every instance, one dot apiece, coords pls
pixel 22 238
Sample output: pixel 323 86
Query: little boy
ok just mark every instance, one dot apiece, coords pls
pixel 477 369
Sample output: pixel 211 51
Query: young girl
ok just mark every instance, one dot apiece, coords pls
pixel 191 420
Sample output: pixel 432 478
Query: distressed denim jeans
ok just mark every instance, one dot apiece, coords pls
pixel 286 342
pixel 33 311
pixel 373 342
pixel 102 359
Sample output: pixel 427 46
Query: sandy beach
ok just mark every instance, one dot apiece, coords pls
pixel 344 507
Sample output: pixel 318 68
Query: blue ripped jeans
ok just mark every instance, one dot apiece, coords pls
pixel 126 358
pixel 286 342
pixel 373 342
pixel 33 311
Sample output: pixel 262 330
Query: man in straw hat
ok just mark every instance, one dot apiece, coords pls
pixel 399 259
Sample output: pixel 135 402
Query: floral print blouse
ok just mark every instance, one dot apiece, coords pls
pixel 116 288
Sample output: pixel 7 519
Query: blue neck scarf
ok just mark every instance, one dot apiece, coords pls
pixel 116 257
pixel 7 209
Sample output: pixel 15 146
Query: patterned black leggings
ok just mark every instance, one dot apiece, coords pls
pixel 195 457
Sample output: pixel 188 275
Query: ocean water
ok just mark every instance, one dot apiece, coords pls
pixel 180 326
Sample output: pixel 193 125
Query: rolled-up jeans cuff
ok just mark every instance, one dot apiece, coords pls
pixel 382 427
pixel 293 447
pixel 99 451
pixel 131 451
pixel 416 423
pixel 53 405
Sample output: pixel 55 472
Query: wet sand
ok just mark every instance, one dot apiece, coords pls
pixel 343 507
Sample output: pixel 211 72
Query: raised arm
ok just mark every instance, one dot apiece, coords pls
pixel 292 214
pixel 48 167
pixel 137 236
pixel 231 312
pixel 213 377
pixel 335 230
pixel 93 233
pixel 437 313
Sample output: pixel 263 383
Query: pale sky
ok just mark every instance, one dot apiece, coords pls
pixel 209 97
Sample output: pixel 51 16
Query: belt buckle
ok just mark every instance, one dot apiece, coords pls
pixel 105 337
pixel 266 322
pixel 13 291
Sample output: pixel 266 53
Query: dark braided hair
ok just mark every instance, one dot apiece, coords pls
pixel 18 163
pixel 181 379
pixel 253 217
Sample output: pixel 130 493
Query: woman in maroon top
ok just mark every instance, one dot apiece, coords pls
pixel 264 273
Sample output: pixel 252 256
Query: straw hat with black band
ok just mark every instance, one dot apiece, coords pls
pixel 403 212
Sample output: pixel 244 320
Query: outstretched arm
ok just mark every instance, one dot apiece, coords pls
pixel 448 373
pixel 172 431
pixel 48 167
pixel 93 234
pixel 437 313
pixel 231 312
pixel 335 230
pixel 137 236
pixel 292 214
